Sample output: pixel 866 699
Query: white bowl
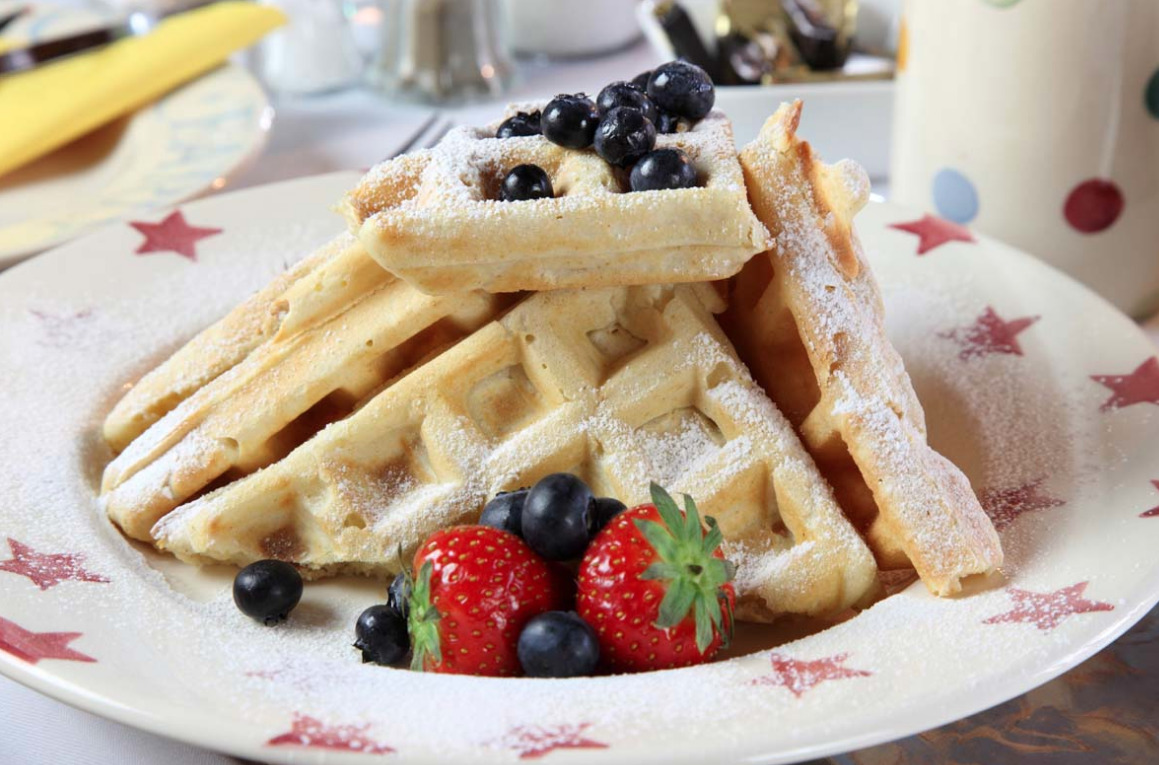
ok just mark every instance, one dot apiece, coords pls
pixel 842 119
pixel 852 118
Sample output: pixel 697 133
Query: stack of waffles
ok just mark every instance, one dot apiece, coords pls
pixel 726 341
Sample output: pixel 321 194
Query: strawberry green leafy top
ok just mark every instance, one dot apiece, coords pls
pixel 695 575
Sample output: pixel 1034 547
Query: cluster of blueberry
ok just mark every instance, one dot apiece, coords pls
pixel 269 590
pixel 621 124
pixel 551 582
pixel 557 518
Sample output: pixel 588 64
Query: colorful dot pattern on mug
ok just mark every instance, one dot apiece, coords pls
pixel 1093 206
pixel 1151 95
pixel 955 197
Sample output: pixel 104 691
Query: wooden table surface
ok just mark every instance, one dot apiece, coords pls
pixel 1103 712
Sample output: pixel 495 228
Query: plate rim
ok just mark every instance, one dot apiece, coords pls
pixel 79 698
pixel 950 708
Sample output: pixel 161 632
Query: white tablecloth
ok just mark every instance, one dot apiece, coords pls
pixel 35 730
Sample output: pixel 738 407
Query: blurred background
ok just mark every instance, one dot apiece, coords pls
pixel 1031 121
pixel 314 86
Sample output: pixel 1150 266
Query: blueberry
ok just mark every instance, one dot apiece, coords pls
pixel 558 644
pixel 607 509
pixel 267 590
pixel 683 89
pixel 624 135
pixel 570 121
pixel 505 512
pixel 666 122
pixel 381 635
pixel 398 594
pixel 525 182
pixel 625 94
pixel 558 516
pixel 641 80
pixel 663 169
pixel 522 123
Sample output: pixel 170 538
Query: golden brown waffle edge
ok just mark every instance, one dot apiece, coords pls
pixel 807 319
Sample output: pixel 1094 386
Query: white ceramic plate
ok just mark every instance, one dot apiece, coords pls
pixel 1002 350
pixel 188 141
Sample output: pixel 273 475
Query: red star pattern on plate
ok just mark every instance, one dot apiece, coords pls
pixel 35 646
pixel 309 732
pixel 990 333
pixel 533 742
pixel 1004 506
pixel 172 234
pixel 1139 387
pixel 800 675
pixel 1047 610
pixel 47 569
pixel 60 329
pixel 933 232
pixel 1153 512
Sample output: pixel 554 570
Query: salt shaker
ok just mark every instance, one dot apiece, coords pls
pixel 439 51
pixel 315 53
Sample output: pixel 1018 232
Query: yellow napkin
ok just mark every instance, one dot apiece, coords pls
pixel 55 103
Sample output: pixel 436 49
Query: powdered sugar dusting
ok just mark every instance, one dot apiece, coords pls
pixel 671 453
pixel 459 165
pixel 369 497
pixel 925 503
pixel 434 202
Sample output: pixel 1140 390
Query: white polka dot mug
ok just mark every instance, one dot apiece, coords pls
pixel 1037 122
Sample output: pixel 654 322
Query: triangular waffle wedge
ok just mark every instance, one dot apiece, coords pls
pixel 434 218
pixel 214 351
pixel 337 332
pixel 620 386
pixel 807 319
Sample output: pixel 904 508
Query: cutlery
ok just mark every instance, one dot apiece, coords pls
pixel 12 16
pixel 135 24
pixel 428 134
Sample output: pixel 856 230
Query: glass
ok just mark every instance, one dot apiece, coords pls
pixel 440 51
pixel 314 53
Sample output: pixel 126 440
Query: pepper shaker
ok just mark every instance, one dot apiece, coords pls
pixel 439 51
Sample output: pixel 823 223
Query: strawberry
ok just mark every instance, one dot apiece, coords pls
pixel 475 589
pixel 656 587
